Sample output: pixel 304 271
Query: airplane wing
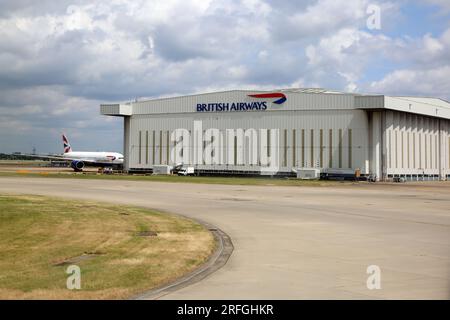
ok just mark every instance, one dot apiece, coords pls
pixel 44 156
pixel 92 161
pixel 62 158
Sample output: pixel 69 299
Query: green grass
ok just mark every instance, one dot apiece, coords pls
pixel 259 181
pixel 38 233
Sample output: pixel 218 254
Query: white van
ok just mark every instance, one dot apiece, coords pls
pixel 186 171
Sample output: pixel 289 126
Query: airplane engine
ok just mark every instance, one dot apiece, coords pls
pixel 77 165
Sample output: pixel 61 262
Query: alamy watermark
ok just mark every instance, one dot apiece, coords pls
pixel 374 280
pixel 374 17
pixel 74 279
pixel 230 147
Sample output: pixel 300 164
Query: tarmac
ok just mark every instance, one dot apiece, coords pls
pixel 298 242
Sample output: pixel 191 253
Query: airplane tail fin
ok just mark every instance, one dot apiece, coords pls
pixel 67 147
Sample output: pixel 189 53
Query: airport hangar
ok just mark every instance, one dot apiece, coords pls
pixel 382 136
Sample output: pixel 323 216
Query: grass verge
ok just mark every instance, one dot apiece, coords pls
pixel 40 237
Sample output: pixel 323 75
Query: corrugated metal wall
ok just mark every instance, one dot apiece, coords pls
pixel 322 139
pixel 369 102
pixel 110 109
pixel 416 145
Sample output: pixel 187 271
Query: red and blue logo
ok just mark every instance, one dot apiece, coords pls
pixel 280 96
pixel 66 143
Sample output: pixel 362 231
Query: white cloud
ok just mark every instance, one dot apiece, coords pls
pixel 350 52
pixel 324 17
pixel 432 82
pixel 238 71
pixel 428 73
pixel 345 54
pixel 60 59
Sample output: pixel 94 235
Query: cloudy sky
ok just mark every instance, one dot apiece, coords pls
pixel 60 59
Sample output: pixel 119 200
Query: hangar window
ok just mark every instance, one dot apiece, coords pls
pixel 321 148
pixel 350 150
pixel 235 162
pixel 431 150
pixel 174 144
pixel 408 154
pixel 330 156
pixel 285 149
pixel 389 148
pixel 140 146
pixel 294 148
pixel 146 147
pixel 436 151
pixel 426 151
pixel 420 150
pixel 303 148
pixel 340 148
pixel 204 146
pixel 153 148
pixel 160 147
pixel 396 148
pixel 403 149
pixel 414 150
pixel 167 147
pixel 213 151
pixel 312 148
pixel 448 153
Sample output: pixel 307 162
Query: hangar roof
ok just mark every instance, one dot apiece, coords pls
pixel 419 105
pixel 298 99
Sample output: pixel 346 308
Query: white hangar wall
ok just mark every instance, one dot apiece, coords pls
pixel 320 139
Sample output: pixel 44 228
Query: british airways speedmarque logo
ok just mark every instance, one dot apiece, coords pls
pixel 260 105
pixel 282 98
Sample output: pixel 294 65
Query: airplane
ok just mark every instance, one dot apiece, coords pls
pixel 80 159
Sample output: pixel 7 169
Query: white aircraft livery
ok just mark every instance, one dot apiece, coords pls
pixel 79 159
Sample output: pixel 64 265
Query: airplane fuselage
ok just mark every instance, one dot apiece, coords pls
pixel 97 157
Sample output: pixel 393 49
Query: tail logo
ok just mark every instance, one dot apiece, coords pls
pixel 67 147
pixel 281 97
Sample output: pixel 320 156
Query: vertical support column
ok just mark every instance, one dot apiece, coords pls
pixel 126 143
pixel 442 147
pixel 376 145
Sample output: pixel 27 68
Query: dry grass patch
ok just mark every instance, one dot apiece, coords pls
pixel 40 236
